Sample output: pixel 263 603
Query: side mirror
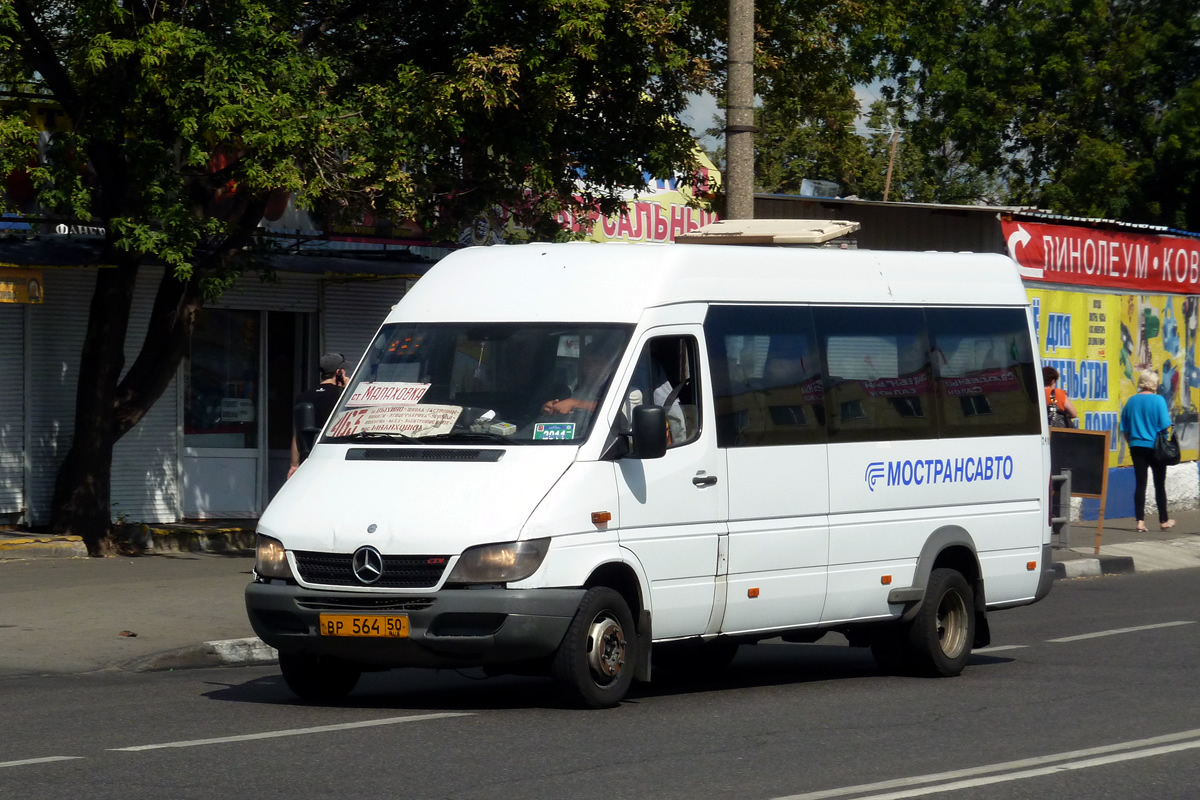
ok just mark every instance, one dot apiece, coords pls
pixel 304 417
pixel 649 432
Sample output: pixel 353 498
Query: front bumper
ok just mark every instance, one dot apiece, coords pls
pixel 449 628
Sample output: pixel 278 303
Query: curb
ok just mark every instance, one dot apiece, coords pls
pixel 43 547
pixel 1093 567
pixel 169 540
pixel 223 653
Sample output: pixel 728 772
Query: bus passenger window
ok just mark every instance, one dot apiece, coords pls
pixel 880 384
pixel 767 376
pixel 983 363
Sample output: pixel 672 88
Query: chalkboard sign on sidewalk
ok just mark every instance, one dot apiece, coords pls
pixel 1085 453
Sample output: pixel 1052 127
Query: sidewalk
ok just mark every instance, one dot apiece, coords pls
pixel 72 615
pixel 61 612
pixel 1124 549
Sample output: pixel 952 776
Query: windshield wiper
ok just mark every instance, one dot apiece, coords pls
pixel 365 435
pixel 470 436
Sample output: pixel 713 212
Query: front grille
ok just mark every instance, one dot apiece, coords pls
pixel 399 572
pixel 365 603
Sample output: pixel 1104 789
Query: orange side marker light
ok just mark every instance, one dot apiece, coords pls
pixel 886 580
pixel 752 592
pixel 601 517
pixel 1031 566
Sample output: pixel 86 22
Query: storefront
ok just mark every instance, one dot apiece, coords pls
pixel 217 443
pixel 1110 301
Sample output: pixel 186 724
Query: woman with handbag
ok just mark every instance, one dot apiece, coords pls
pixel 1143 419
pixel 1060 409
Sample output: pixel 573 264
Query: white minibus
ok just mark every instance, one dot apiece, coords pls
pixel 566 459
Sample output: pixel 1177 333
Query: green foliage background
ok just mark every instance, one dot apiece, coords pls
pixel 1084 107
pixel 417 110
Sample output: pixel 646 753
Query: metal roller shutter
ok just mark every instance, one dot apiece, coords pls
pixel 12 409
pixel 56 333
pixel 145 470
pixel 353 312
pixel 292 292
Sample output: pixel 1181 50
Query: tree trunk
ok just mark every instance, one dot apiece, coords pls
pixel 105 410
pixel 81 504
pixel 167 336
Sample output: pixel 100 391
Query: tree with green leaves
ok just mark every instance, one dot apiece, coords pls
pixel 810 58
pixel 1084 107
pixel 182 120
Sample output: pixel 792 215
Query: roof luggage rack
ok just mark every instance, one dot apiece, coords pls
pixel 812 232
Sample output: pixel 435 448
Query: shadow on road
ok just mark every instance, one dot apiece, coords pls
pixel 762 665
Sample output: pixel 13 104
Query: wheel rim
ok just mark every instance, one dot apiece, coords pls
pixel 952 624
pixel 605 648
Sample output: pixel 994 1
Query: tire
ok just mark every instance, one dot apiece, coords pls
pixel 319 679
pixel 941 634
pixel 595 663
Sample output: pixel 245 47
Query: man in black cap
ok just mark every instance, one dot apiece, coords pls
pixel 324 397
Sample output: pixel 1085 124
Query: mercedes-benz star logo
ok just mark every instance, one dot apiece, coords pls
pixel 367 564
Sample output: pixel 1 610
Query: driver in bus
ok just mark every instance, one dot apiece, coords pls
pixel 594 373
pixel 589 386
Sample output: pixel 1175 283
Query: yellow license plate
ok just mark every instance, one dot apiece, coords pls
pixel 383 625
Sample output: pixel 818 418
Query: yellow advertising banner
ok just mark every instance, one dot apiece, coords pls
pixel 20 285
pixel 1100 343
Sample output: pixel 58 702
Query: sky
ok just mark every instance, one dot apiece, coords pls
pixel 702 107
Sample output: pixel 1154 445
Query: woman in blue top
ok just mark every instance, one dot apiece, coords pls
pixel 1143 417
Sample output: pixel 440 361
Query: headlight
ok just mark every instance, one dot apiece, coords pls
pixel 499 563
pixel 270 558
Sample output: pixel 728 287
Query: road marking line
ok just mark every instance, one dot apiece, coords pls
pixel 1036 761
pixel 344 726
pixel 1115 631
pixel 45 760
pixel 1000 647
pixel 1034 773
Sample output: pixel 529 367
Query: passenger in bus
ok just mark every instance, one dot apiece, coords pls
pixel 651 384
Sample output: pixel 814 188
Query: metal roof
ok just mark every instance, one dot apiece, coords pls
pixel 1023 212
pixel 855 201
pixel 63 252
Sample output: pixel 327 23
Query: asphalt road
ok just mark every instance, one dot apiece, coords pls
pixel 1107 716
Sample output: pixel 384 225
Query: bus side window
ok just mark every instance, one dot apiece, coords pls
pixel 770 390
pixel 883 384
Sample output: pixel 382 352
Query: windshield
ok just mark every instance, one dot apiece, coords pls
pixel 518 383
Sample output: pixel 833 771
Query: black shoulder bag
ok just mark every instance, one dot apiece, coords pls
pixel 1166 447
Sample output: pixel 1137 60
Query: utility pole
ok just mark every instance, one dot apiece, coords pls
pixel 739 113
pixel 887 186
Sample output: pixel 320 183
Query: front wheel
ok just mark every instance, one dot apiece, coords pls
pixel 320 679
pixel 597 657
pixel 940 636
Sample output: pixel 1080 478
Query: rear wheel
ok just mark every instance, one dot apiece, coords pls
pixel 321 679
pixel 597 657
pixel 940 636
